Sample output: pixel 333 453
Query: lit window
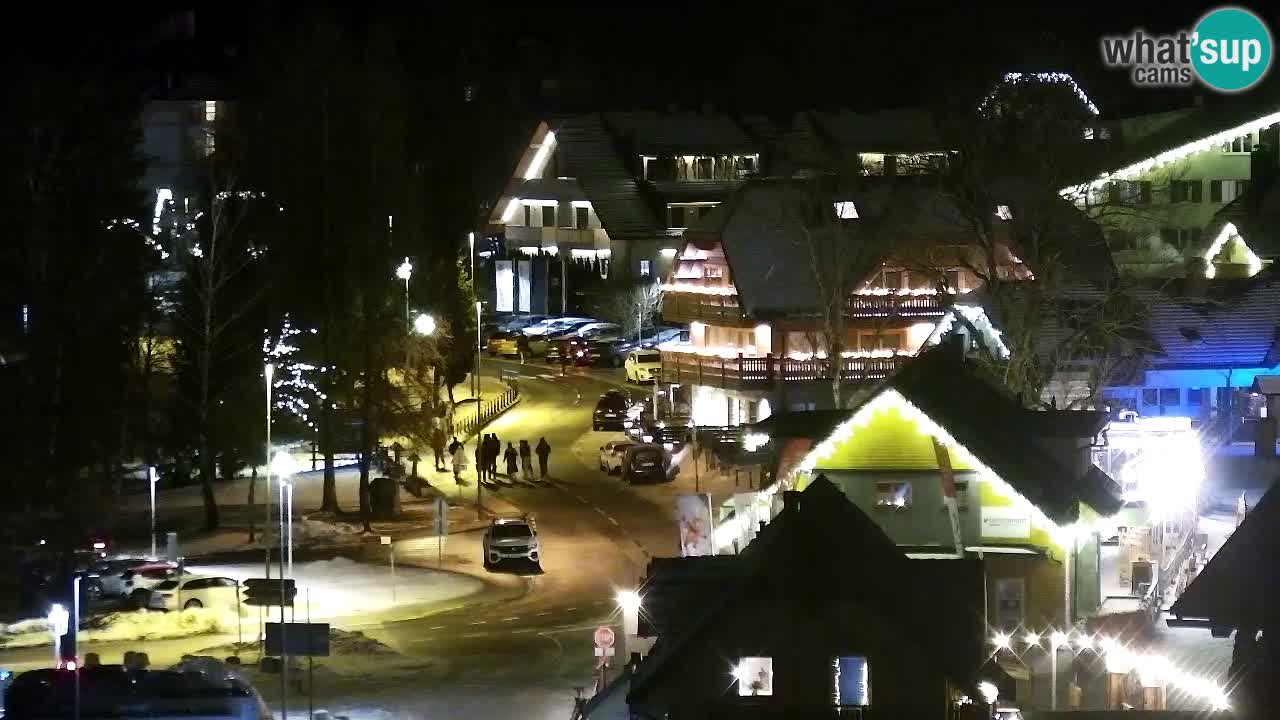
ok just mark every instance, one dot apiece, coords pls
pixel 644 268
pixel 1003 212
pixel 1088 133
pixel 754 676
pixel 712 271
pixel 845 210
pixel 895 495
pixel 210 111
pixel 852 687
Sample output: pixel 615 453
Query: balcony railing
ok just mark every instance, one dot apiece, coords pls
pixel 689 307
pixel 760 372
pixel 899 305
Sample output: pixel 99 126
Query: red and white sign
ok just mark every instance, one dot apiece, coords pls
pixel 604 637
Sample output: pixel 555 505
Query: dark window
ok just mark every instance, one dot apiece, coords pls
pixel 953 279
pixel 581 218
pixel 1144 192
pixel 1150 396
pixel 528 215
pixel 893 279
pixel 1224 398
pixel 1177 191
pixel 1113 192
pixel 225 582
pixel 677 217
pixel 196 585
pixel 1215 191
pixel 1195 396
pixel 548 216
pixel 1170 396
pixel 1197 190
pixel 1197 234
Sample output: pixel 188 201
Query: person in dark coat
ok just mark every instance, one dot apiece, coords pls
pixel 495 451
pixel 526 460
pixel 481 465
pixel 513 460
pixel 544 453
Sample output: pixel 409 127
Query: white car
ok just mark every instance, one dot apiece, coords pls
pixel 511 539
pixel 551 326
pixel 195 592
pixel 597 330
pixel 109 574
pixel 642 366
pixel 139 581
pixel 613 453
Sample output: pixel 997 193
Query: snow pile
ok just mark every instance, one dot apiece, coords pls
pixel 342 642
pixel 128 626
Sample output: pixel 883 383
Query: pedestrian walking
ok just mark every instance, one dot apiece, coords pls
pixel 495 450
pixel 526 460
pixel 513 459
pixel 437 446
pixel 480 461
pixel 544 453
pixel 459 454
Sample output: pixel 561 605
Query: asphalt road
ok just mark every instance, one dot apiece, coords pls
pixel 520 649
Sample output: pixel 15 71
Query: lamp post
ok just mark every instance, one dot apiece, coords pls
pixel 1056 640
pixel 283 466
pixel 268 371
pixel 476 394
pixel 152 478
pixel 425 326
pixel 405 271
pixel 471 244
pixel 58 617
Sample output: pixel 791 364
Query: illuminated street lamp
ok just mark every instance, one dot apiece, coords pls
pixel 424 324
pixel 283 466
pixel 58 617
pixel 1001 641
pixel 629 602
pixel 153 479
pixel 404 272
pixel 477 391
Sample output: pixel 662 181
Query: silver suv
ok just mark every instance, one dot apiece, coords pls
pixel 511 539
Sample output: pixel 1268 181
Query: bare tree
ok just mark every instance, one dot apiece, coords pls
pixel 635 307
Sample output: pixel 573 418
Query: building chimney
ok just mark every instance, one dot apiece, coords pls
pixel 791 501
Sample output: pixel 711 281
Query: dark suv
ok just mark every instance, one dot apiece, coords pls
pixel 611 411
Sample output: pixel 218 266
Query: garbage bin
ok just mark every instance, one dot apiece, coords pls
pixel 384 497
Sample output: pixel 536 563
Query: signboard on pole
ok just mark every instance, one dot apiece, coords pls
pixel 268 592
pixel 603 637
pixel 693 517
pixel 442 517
pixel 300 639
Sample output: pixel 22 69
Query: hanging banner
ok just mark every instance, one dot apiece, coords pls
pixel 693 517
pixel 524 269
pixel 503 286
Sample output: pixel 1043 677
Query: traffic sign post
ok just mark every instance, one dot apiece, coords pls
pixel 267 592
pixel 386 540
pixel 604 639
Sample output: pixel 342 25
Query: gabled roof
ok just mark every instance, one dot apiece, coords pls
pixel 1239 586
pixel 591 155
pixel 1256 217
pixel 904 593
pixel 991 424
pixel 765 232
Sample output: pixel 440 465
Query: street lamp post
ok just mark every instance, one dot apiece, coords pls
pixel 404 272
pixel 152 478
pixel 425 326
pixel 476 394
pixel 58 617
pixel 268 372
pixel 283 466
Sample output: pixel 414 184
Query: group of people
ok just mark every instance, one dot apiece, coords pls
pixel 489 450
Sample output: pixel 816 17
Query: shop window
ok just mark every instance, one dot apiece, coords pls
pixel 754 676
pixel 852 681
pixel 893 495
pixel 1170 396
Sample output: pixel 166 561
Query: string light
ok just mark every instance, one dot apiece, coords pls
pixel 977 317
pixel 293 390
pixel 1015 78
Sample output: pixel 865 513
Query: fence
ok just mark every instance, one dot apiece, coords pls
pixel 485 412
pixel 739 372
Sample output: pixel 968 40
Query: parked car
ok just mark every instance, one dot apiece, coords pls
pixel 504 343
pixel 597 353
pixel 643 366
pixel 139 581
pixel 511 539
pixel 551 345
pixel 519 322
pixel 612 455
pixel 646 464
pixel 551 326
pixel 108 573
pixel 597 330
pixel 195 592
pixel 611 411
pixel 198 687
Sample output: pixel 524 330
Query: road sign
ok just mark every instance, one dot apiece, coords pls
pixel 299 639
pixel 604 637
pixel 442 517
pixel 266 592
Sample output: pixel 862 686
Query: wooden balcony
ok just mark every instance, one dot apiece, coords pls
pixel 686 307
pixel 759 373
pixel 899 305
